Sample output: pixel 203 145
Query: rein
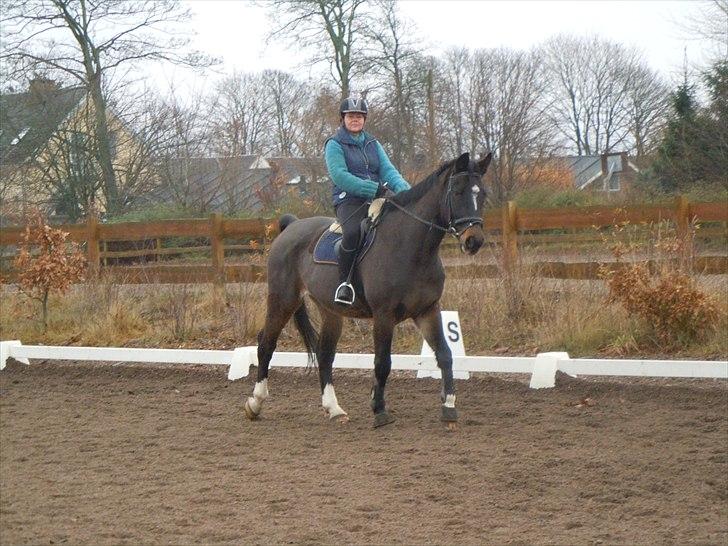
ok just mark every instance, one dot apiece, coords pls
pixel 452 226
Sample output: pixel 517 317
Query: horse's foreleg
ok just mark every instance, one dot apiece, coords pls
pixel 430 324
pixel 383 330
pixel 329 337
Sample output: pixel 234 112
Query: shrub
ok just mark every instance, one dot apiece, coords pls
pixel 668 299
pixel 46 263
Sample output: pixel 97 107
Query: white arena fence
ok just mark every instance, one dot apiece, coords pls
pixel 542 367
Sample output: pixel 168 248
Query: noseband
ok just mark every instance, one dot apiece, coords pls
pixel 452 227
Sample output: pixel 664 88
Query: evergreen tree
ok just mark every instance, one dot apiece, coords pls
pixel 694 149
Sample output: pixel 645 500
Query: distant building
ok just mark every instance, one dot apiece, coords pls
pixel 47 149
pixel 610 172
pixel 230 185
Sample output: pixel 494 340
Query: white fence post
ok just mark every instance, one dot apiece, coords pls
pixel 544 369
pixel 5 353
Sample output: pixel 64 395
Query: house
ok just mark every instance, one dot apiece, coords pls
pixel 220 184
pixel 47 156
pixel 230 185
pixel 301 172
pixel 610 172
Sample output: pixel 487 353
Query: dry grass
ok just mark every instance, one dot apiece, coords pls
pixel 523 315
pixel 512 314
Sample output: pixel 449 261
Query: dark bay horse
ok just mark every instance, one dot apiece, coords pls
pixel 400 277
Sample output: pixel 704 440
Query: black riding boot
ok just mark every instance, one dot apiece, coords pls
pixel 345 291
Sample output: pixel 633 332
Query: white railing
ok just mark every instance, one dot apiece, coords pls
pixel 542 367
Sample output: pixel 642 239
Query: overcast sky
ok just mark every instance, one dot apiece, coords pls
pixel 234 30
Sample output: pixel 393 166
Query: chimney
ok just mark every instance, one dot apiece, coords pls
pixel 605 169
pixel 40 85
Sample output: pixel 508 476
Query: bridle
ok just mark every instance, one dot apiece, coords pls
pixel 453 226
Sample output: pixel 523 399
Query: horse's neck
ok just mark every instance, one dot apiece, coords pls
pixel 428 208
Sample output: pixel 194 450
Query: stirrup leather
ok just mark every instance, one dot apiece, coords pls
pixel 341 295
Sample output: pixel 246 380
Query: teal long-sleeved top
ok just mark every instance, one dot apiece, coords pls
pixel 360 187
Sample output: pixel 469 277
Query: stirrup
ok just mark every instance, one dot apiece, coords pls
pixel 341 296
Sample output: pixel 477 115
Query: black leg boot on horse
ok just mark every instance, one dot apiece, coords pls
pixel 350 215
pixel 345 291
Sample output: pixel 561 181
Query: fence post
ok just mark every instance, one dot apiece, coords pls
pixel 92 245
pixel 510 236
pixel 218 247
pixel 682 221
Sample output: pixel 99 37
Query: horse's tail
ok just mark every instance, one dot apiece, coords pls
pixel 308 332
pixel 285 221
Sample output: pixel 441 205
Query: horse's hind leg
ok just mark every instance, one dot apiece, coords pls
pixel 279 311
pixel 430 324
pixel 328 339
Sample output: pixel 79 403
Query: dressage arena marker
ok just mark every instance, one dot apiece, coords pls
pixel 542 368
pixel 453 333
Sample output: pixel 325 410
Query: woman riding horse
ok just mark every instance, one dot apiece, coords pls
pixel 401 277
pixel 360 170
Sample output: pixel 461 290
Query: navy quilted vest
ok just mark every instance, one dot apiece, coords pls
pixel 362 160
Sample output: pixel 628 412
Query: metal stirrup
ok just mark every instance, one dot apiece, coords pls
pixel 345 285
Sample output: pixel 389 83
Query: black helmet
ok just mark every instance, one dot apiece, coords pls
pixel 354 104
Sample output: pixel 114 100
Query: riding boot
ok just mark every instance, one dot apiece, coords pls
pixel 345 291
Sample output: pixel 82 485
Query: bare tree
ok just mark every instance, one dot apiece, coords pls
pixel 506 115
pixel 331 29
pixel 592 82
pixel 456 66
pixel 647 103
pixel 287 98
pixel 140 143
pixel 241 115
pixel 393 58
pixel 69 172
pixel 710 23
pixel 182 144
pixel 88 40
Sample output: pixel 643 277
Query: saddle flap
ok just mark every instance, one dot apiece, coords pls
pixel 325 251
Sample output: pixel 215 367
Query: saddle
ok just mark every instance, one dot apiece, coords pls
pixel 326 250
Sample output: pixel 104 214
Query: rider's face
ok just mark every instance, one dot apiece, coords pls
pixel 354 122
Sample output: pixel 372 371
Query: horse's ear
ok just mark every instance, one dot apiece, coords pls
pixel 462 163
pixel 483 163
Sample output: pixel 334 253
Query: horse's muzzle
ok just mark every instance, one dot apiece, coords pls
pixel 472 239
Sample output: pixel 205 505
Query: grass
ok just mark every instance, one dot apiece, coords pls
pixel 520 316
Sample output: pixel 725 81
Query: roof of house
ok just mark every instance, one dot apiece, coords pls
pixel 213 182
pixel 588 168
pixel 28 120
pixel 293 167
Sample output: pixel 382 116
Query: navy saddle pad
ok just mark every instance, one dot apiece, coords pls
pixel 325 251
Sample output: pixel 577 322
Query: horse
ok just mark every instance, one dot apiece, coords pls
pixel 400 277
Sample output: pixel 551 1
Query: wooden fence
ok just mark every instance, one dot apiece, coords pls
pixel 510 226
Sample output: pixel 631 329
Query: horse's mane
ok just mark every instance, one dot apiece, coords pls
pixel 421 188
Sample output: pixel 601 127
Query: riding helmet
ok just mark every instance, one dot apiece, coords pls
pixel 354 104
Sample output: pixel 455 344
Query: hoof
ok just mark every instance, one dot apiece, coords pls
pixel 451 426
pixel 449 415
pixel 382 418
pixel 340 419
pixel 249 413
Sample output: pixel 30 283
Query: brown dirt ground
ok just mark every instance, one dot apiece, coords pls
pixel 138 454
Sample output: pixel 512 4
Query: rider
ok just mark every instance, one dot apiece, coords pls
pixel 361 171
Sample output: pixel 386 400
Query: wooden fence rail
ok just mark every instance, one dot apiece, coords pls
pixel 509 224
